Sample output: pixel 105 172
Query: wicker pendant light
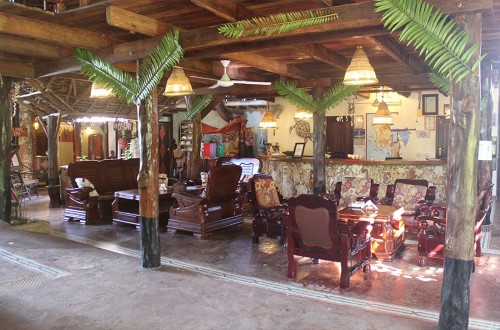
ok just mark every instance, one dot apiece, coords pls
pixel 383 116
pixel 97 91
pixel 268 121
pixel 302 114
pixel 360 72
pixel 178 84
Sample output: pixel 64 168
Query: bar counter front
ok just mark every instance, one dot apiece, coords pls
pixel 294 176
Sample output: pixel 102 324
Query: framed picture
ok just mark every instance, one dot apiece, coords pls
pixel 430 123
pixel 430 104
pixel 298 151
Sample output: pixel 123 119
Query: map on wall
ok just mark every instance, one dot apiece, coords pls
pixel 382 142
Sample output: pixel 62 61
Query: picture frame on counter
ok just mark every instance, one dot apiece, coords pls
pixel 430 104
pixel 298 150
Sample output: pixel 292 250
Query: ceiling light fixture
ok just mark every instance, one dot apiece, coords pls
pixel 383 116
pixel 98 91
pixel 268 121
pixel 302 114
pixel 178 84
pixel 360 72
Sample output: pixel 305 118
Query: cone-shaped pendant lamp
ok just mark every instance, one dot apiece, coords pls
pixel 383 116
pixel 178 84
pixel 360 72
pixel 98 91
pixel 268 121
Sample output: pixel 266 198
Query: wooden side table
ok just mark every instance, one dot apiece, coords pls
pixel 388 231
pixel 126 207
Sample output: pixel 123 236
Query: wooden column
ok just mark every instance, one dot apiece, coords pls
pixel 147 113
pixel 485 167
pixel 193 165
pixel 5 137
pixel 53 131
pixel 462 191
pixel 319 148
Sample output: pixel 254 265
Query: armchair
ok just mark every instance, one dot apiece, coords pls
pixel 313 231
pixel 414 195
pixel 220 207
pixel 432 228
pixel 267 208
pixel 352 189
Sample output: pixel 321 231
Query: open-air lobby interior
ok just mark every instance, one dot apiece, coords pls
pixel 237 164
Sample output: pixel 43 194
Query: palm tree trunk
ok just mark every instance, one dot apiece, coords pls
pixel 148 183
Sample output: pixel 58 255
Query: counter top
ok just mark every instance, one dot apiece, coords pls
pixel 356 161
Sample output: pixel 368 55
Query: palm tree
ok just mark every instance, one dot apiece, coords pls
pixel 141 90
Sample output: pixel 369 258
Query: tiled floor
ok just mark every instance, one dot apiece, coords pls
pixel 400 287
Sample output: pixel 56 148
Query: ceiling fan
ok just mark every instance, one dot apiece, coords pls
pixel 225 81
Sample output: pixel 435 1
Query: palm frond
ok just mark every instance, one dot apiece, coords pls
pixel 277 24
pixel 440 41
pixel 197 105
pixel 442 83
pixel 295 95
pixel 334 96
pixel 164 56
pixel 103 73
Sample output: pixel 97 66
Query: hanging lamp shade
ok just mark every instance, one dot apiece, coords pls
pixel 268 121
pixel 360 72
pixel 178 84
pixel 383 116
pixel 302 114
pixel 99 91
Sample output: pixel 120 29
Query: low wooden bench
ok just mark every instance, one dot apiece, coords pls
pixel 107 176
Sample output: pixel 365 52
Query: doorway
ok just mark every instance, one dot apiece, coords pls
pixel 339 136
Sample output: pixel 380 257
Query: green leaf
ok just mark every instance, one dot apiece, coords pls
pixel 164 56
pixel 435 35
pixel 335 95
pixel 103 73
pixel 277 24
pixel 296 96
pixel 441 82
pixel 198 104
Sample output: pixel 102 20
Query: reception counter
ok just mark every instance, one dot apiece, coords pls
pixel 294 176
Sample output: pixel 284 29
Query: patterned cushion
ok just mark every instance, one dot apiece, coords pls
pixel 408 195
pixel 82 182
pixel 266 193
pixel 353 188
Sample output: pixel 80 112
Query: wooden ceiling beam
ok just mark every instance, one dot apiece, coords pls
pixel 397 53
pixel 18 45
pixel 231 11
pixel 322 54
pixel 352 16
pixel 137 23
pixel 50 32
pixel 16 69
pixel 55 100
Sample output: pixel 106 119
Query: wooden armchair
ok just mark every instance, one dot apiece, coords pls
pixel 267 208
pixel 218 209
pixel 352 189
pixel 313 231
pixel 432 228
pixel 414 195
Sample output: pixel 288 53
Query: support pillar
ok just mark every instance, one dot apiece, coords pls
pixel 5 139
pixel 319 148
pixel 147 113
pixel 461 190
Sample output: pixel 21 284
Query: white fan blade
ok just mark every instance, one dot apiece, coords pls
pixel 204 78
pixel 246 82
pixel 214 86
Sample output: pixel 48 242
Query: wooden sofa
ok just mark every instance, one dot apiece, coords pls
pixel 107 177
pixel 219 208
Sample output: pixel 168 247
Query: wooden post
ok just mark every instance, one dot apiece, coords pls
pixel 193 165
pixel 462 191
pixel 53 130
pixel 147 113
pixel 5 137
pixel 319 148
pixel 485 167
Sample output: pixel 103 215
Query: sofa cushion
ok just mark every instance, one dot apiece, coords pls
pixel 266 193
pixel 408 196
pixel 353 188
pixel 82 183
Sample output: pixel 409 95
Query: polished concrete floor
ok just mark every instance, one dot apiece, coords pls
pixel 90 277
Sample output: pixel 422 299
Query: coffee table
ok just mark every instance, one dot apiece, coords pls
pixel 388 231
pixel 125 207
